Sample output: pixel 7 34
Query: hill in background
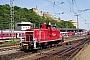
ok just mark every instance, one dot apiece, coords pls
pixel 27 15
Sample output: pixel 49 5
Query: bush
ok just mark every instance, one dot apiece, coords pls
pixel 11 42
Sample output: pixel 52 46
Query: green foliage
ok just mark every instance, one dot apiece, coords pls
pixel 11 42
pixel 66 24
pixel 27 15
pixel 86 45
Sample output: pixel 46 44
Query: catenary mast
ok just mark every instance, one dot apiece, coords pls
pixel 12 18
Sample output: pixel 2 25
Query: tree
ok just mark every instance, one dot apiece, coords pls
pixel 28 15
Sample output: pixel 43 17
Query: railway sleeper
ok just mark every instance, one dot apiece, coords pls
pixel 69 43
pixel 67 55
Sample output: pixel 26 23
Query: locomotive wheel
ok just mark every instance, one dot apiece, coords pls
pixel 41 47
pixel 56 45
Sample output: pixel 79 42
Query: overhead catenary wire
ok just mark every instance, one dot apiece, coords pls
pixel 62 3
pixel 54 6
pixel 71 4
pixel 65 7
pixel 74 1
pixel 61 8
pixel 65 10
pixel 76 5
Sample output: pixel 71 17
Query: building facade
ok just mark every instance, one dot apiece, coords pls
pixel 73 22
pixel 44 14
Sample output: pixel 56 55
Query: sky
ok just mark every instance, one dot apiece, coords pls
pixel 63 9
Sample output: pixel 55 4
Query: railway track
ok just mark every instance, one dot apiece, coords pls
pixel 45 53
pixel 67 53
pixel 14 47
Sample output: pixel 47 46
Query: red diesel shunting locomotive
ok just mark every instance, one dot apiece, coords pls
pixel 38 38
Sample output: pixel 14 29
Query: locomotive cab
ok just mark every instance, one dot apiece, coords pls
pixel 27 44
